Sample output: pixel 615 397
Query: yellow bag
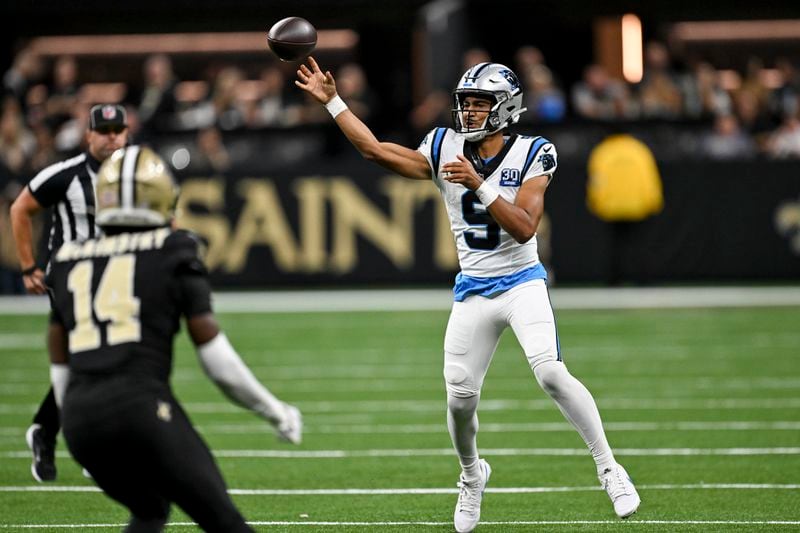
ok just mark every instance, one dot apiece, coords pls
pixel 624 184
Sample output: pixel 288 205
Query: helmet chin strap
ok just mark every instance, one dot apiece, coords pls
pixel 477 134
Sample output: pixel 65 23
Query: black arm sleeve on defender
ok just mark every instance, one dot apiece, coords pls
pixel 190 276
pixel 55 316
pixel 195 294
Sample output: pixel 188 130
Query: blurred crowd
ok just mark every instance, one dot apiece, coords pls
pixel 44 107
pixel 45 111
pixel 747 114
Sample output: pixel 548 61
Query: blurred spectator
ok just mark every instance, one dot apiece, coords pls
pixel 71 135
pixel 544 100
pixel 25 71
pixel 10 277
pixel 17 143
pixel 271 109
pixel 134 124
pixel 351 83
pixel 659 92
pixel 36 105
pixel 436 107
pixel 158 104
pixel 753 118
pixel 727 140
pixel 10 184
pixel 222 109
pixel 753 82
pixel 63 91
pixel 45 153
pixel 784 99
pixel 212 157
pixel 600 97
pixel 704 95
pixel 473 56
pixel 526 58
pixel 785 141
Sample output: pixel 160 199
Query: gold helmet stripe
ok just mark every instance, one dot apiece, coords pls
pixel 127 189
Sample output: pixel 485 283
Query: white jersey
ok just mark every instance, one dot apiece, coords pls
pixel 485 250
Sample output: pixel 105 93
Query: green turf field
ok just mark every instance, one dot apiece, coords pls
pixel 702 407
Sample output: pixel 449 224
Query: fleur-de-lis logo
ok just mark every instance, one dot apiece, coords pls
pixel 787 222
pixel 164 411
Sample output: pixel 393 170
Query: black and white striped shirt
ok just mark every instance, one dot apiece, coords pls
pixel 69 188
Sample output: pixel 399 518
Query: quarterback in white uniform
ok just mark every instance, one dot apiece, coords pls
pixel 493 185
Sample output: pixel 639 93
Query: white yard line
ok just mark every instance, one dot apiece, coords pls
pixel 16 341
pixel 488 452
pixel 632 522
pixel 545 404
pixel 534 427
pixel 432 383
pixel 347 428
pixel 436 406
pixel 442 299
pixel 430 490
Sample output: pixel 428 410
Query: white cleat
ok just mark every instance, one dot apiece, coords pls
pixel 290 429
pixel 619 486
pixel 468 507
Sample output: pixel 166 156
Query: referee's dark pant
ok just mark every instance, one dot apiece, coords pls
pixel 135 440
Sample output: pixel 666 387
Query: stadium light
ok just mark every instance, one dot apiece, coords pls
pixel 632 64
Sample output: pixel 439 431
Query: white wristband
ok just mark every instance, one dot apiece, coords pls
pixel 486 194
pixel 335 106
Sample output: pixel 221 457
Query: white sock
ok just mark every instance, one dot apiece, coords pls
pixel 462 422
pixel 471 471
pixel 578 406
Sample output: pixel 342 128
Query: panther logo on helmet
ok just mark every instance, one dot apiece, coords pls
pixel 511 78
pixel 496 83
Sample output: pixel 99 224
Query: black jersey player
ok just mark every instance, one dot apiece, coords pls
pixel 120 299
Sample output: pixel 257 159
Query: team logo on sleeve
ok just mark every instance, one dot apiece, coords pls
pixel 509 177
pixel 548 161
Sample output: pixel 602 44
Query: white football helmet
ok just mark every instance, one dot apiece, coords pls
pixel 495 82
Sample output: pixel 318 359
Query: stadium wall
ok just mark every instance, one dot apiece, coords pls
pixel 355 224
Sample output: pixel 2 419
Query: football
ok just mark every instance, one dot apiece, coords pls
pixel 292 38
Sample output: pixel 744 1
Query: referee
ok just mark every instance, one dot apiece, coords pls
pixel 69 188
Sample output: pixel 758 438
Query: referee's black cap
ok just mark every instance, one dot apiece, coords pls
pixel 108 116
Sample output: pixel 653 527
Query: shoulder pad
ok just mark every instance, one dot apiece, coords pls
pixel 185 251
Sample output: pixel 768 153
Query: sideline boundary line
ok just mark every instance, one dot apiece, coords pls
pixel 442 299
pixel 628 523
pixel 488 452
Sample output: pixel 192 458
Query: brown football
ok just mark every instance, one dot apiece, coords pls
pixel 292 38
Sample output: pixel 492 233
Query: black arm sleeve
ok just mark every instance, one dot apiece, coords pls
pixel 193 290
pixel 195 294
